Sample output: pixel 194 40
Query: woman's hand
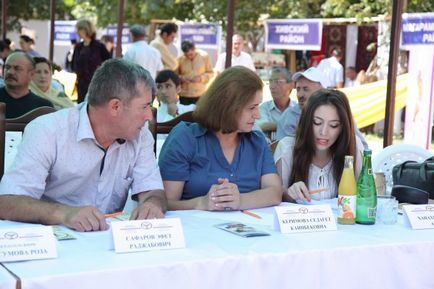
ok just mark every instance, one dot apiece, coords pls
pixel 299 191
pixel 205 202
pixel 226 196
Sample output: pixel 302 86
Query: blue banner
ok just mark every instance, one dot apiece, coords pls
pixel 417 29
pixel 64 32
pixel 203 35
pixel 295 34
pixel 113 31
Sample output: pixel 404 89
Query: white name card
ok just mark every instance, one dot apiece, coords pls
pixel 420 216
pixel 147 235
pixel 31 243
pixel 302 219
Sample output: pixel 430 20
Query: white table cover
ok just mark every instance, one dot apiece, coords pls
pixel 7 281
pixel 355 256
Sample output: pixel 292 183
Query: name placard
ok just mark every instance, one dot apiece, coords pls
pixel 302 219
pixel 147 235
pixel 420 216
pixel 31 243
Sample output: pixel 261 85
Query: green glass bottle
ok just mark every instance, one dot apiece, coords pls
pixel 366 204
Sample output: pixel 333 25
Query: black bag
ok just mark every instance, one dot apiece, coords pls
pixel 414 174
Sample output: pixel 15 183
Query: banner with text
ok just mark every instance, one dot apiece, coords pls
pixel 203 35
pixel 64 32
pixel 295 34
pixel 113 31
pixel 417 29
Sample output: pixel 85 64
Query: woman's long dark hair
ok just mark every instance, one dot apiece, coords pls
pixel 304 149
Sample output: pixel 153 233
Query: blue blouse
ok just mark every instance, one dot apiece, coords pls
pixel 193 154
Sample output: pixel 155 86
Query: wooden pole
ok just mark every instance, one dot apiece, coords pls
pixel 230 32
pixel 120 28
pixel 52 23
pixel 397 7
pixel 4 17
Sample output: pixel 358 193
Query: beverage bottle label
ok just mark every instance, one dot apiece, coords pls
pixel 346 207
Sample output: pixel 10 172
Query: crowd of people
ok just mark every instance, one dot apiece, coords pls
pixel 79 163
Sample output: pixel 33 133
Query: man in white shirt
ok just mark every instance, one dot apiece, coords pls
pixel 333 70
pixel 77 164
pixel 238 57
pixel 281 85
pixel 143 54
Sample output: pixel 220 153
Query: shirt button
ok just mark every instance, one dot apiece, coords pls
pixel 232 175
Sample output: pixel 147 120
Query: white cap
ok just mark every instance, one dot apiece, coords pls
pixel 313 74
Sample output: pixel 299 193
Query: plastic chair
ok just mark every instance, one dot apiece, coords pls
pixel 392 155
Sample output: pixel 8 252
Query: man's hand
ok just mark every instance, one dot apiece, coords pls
pixel 147 210
pixel 152 204
pixel 84 219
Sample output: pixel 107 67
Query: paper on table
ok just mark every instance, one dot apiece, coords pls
pixel 61 234
pixel 241 229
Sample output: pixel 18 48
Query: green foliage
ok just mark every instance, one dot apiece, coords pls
pixel 30 9
pixel 247 12
pixel 420 6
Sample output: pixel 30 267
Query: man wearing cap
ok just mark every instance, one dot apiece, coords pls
pixel 143 54
pixel 281 85
pixel 306 83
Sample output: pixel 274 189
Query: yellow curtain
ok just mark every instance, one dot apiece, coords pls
pixel 368 101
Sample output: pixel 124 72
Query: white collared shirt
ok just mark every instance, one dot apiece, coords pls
pixel 146 56
pixel 333 71
pixel 59 160
pixel 244 59
pixel 163 115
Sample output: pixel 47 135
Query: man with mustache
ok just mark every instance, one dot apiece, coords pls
pixel 18 71
pixel 78 164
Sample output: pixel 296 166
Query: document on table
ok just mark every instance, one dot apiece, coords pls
pixel 241 230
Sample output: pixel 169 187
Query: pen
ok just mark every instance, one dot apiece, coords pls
pixel 318 191
pixel 112 215
pixel 251 214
